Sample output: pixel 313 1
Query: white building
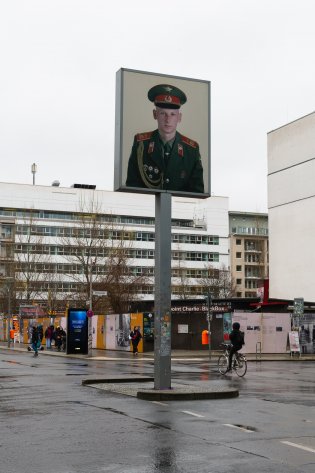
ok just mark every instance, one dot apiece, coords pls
pixel 291 203
pixel 200 232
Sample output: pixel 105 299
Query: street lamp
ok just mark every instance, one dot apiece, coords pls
pixel 208 298
pixel 90 311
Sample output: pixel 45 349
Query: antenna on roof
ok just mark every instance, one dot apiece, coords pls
pixel 34 171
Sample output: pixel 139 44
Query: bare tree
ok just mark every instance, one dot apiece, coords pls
pixel 28 260
pixel 101 251
pixel 218 283
pixel 181 285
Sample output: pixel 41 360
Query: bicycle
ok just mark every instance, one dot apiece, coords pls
pixel 239 362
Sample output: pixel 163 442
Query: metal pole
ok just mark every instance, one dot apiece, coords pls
pixel 34 170
pixel 90 318
pixel 9 314
pixel 209 302
pixel 162 311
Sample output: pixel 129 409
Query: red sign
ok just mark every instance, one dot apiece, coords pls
pixel 90 313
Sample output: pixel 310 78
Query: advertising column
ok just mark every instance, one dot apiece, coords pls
pixel 77 332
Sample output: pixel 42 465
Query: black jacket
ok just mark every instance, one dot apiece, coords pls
pixel 236 339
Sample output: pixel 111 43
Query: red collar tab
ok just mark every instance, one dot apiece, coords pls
pixel 180 150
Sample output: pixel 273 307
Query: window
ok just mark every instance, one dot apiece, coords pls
pixel 238 267
pixel 238 254
pixel 238 281
pixel 238 242
pixel 238 294
pixel 214 257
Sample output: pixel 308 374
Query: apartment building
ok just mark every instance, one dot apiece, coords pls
pixel 40 227
pixel 248 251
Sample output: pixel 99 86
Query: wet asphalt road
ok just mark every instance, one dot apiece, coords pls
pixel 50 423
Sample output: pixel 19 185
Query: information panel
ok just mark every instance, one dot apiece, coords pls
pixel 77 332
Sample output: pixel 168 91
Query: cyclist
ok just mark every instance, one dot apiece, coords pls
pixel 237 341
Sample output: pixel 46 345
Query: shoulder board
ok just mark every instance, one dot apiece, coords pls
pixel 144 136
pixel 189 142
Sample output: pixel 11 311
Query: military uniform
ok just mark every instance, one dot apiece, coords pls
pixel 148 166
pixel 151 165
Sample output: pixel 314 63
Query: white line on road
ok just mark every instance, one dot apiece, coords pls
pixel 297 445
pixel 192 414
pixel 159 403
pixel 239 428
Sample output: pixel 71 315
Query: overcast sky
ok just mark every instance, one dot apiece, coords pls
pixel 58 63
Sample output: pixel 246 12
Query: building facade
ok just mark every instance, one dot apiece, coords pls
pixel 248 251
pixel 48 246
pixel 291 204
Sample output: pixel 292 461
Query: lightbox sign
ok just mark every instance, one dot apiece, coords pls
pixel 162 135
pixel 77 332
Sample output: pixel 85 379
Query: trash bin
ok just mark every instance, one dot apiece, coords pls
pixel 204 337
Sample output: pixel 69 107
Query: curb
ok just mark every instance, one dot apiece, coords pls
pixel 179 393
pixel 186 395
pixel 126 379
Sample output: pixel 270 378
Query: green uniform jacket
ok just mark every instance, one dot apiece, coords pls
pixel 147 167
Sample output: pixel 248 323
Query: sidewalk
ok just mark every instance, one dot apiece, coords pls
pixel 185 355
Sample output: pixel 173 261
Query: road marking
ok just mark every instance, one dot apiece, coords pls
pixel 192 414
pixel 297 445
pixel 243 429
pixel 159 403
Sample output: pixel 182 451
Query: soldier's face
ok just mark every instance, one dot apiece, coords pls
pixel 167 119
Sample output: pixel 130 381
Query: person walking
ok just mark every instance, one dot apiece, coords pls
pixel 35 340
pixel 40 333
pixel 48 336
pixel 135 336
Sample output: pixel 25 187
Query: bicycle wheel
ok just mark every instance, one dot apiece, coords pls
pixel 223 363
pixel 240 365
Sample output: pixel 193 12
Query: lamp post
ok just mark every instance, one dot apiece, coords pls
pixel 209 318
pixel 90 311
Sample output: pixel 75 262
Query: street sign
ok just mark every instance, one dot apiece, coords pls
pixel 99 293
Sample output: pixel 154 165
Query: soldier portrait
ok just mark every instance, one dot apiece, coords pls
pixel 169 149
pixel 164 158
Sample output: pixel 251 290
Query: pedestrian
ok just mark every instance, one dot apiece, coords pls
pixel 303 339
pixel 58 337
pixel 35 340
pixel 135 337
pixel 48 336
pixel 63 339
pixel 40 332
pixel 164 158
pixel 237 341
